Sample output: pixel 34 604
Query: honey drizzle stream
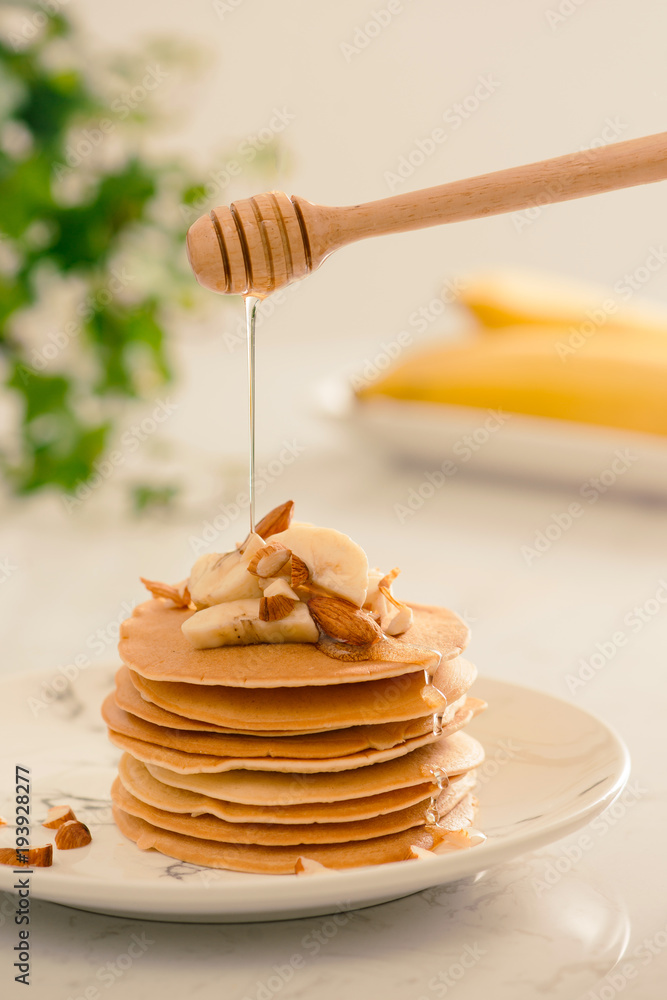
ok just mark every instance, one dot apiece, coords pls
pixel 251 304
pixel 439 776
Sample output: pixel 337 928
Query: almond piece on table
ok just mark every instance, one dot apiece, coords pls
pixel 344 621
pixel 57 815
pixel 276 520
pixel 275 608
pixel 31 857
pixel 72 834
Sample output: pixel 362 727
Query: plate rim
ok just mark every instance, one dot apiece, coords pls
pixel 331 889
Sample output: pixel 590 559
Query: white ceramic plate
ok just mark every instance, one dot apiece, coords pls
pixel 550 768
pixel 520 446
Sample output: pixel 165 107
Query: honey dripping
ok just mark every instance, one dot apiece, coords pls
pixel 433 811
pixel 251 304
pixel 439 776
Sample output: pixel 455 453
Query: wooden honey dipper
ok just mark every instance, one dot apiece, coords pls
pixel 260 244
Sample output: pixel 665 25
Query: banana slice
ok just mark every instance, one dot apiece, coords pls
pixel 393 616
pixel 335 561
pixel 216 578
pixel 237 623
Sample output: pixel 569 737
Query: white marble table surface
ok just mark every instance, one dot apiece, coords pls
pixel 601 926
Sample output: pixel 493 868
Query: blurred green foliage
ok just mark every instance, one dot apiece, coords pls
pixel 66 216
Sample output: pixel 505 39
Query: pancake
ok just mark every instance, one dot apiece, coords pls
pixel 335 706
pixel 129 698
pixel 137 779
pixel 334 743
pixel 207 827
pixel 455 755
pixel 189 763
pixel 280 860
pixel 153 645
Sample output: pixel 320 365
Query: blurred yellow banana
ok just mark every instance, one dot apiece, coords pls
pixel 505 298
pixel 616 379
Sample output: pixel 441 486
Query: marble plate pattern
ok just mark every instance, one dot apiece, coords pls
pixel 550 768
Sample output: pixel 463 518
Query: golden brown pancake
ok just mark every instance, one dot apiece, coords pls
pixel 281 860
pixel 190 763
pixel 137 779
pixel 208 827
pixel 198 761
pixel 333 743
pixel 336 706
pixel 455 755
pixel 153 645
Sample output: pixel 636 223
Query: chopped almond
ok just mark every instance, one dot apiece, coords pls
pixel 276 520
pixel 31 857
pixel 57 815
pixel 72 834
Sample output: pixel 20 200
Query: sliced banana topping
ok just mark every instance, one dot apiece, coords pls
pixel 335 562
pixel 238 623
pixel 216 579
pixel 301 584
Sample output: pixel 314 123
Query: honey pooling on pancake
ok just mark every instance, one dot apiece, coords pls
pixel 281 703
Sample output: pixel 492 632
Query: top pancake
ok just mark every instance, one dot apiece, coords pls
pixel 153 645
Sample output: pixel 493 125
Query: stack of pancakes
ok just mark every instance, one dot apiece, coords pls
pixel 252 757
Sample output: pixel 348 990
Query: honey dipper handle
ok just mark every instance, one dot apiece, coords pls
pixel 593 171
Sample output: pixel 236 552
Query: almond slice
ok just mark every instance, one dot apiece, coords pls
pixel 299 572
pixel 157 589
pixel 32 857
pixel 275 608
pixel 57 815
pixel 344 621
pixel 72 834
pixel 269 560
pixel 276 520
